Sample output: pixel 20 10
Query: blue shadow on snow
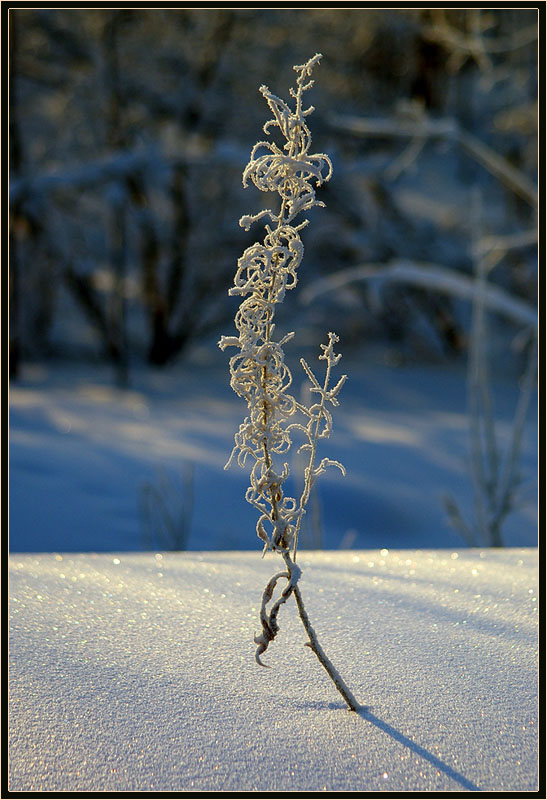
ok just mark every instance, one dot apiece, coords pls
pixel 368 716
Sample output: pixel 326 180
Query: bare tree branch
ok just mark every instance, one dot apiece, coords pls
pixel 420 126
pixel 431 277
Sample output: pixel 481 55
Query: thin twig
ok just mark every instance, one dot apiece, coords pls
pixel 314 645
pixel 431 277
pixel 422 126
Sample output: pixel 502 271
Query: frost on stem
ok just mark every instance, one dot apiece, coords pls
pixel 265 272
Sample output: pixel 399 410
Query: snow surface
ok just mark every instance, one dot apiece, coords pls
pixel 81 451
pixel 135 672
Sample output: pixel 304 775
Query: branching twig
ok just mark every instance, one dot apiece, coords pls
pixel 475 44
pixel 259 373
pixel 419 126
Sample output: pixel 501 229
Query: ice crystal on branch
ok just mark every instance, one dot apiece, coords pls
pixel 265 272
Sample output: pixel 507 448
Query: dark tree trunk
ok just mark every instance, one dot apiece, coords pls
pixel 14 165
pixel 116 140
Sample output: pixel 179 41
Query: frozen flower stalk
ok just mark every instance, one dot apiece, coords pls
pixel 265 272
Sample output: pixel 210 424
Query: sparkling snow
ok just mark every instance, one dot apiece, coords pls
pixel 135 672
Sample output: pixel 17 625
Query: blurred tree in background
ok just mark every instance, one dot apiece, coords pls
pixel 129 130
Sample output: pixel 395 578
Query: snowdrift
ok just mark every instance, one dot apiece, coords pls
pixel 135 672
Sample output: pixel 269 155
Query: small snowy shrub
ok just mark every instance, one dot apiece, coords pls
pixel 265 272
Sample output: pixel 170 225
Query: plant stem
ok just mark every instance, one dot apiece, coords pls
pixel 314 645
pixel 309 469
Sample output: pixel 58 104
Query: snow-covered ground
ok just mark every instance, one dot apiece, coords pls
pixel 135 672
pixel 81 452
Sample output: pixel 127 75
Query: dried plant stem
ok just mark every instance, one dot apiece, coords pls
pixel 308 472
pixel 269 623
pixel 258 371
pixel 314 645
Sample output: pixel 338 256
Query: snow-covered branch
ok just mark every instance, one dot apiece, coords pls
pixel 419 126
pixel 118 166
pixel 428 276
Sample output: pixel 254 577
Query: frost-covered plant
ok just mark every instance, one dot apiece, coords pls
pixel 258 371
